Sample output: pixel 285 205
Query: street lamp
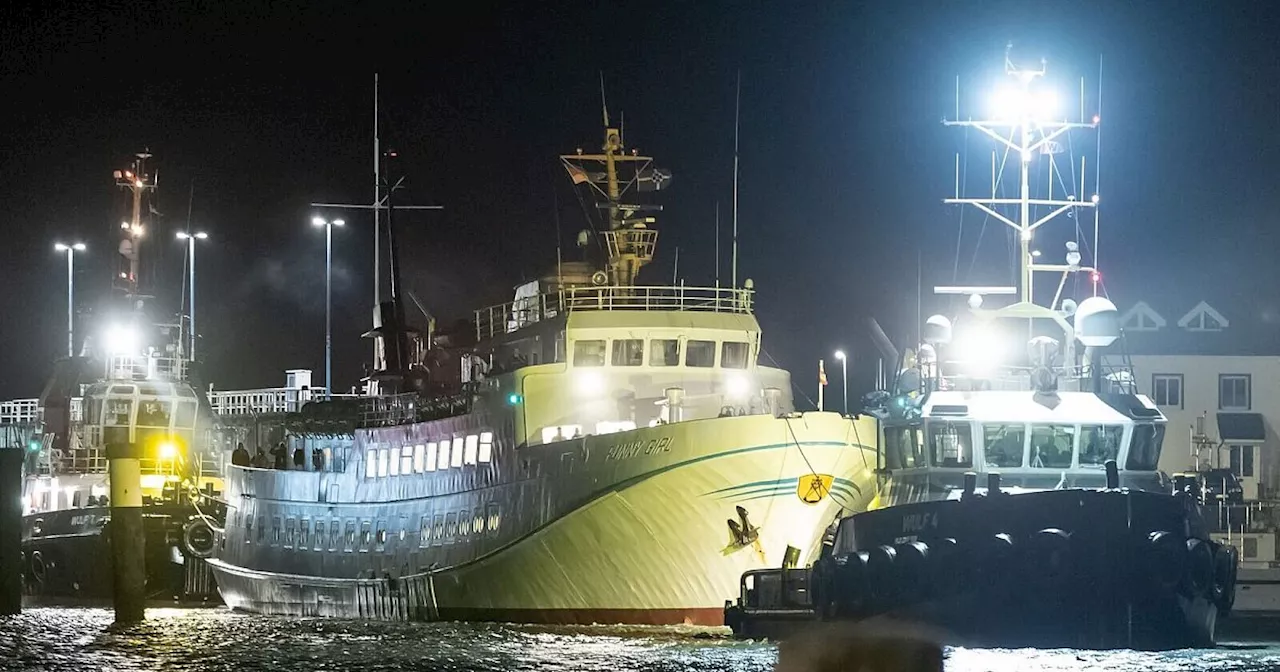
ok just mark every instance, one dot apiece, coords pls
pixel 71 306
pixel 844 378
pixel 328 300
pixel 191 264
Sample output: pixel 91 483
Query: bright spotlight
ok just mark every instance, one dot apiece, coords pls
pixel 168 451
pixel 590 383
pixel 839 354
pixel 122 339
pixel 78 247
pixel 339 222
pixel 737 386
pixel 1011 102
pixel 979 348
pixel 317 221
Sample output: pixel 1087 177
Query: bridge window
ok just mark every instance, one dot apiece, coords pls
pixel 430 463
pixel 1051 446
pixel 424 532
pixel 588 353
pixel 394 461
pixel 384 460
pixel 335 533
pixel 418 455
pixel 700 354
pixel 380 536
pixel 733 355
pixel 406 460
pixel 370 463
pixel 664 352
pixel 304 534
pixel 290 527
pixel 351 536
pixel 153 414
pixel 118 411
pixel 186 415
pixel 903 448
pixel 1002 445
pixel 444 455
pixel 1144 448
pixel 628 352
pixel 486 446
pixel 951 444
pixel 1099 444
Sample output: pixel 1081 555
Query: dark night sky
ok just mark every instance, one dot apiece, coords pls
pixel 843 161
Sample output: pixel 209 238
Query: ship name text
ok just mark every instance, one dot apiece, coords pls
pixel 629 449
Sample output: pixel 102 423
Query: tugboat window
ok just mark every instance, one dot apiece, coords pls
pixel 700 354
pixel 486 446
pixel 444 455
pixel 456 459
pixel 351 536
pixel 1051 446
pixel 335 533
pixel 366 535
pixel 1099 444
pixel 289 526
pixel 628 352
pixel 186 414
pixel 304 534
pixel 424 532
pixel 951 444
pixel 471 449
pixel 450 526
pixel 370 464
pixel 902 448
pixel 153 414
pixel 431 456
pixel 733 355
pixel 588 353
pixel 1144 449
pixel 275 530
pixel 419 452
pixel 319 535
pixel 664 352
pixel 406 460
pixel 1002 445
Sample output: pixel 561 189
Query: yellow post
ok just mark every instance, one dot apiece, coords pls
pixel 129 572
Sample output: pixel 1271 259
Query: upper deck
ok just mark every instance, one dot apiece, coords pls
pixel 537 307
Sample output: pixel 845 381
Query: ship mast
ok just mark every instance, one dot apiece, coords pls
pixel 138 182
pixel 1026 123
pixel 629 242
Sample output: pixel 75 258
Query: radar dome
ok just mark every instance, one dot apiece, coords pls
pixel 1069 307
pixel 1097 322
pixel 937 330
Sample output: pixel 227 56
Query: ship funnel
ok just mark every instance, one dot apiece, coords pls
pixel 1097 322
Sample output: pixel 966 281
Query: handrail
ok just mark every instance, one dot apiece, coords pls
pixel 524 311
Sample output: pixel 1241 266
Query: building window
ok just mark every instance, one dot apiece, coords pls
pixel 1166 389
pixel 733 355
pixel 700 354
pixel 472 446
pixel 664 352
pixel 1242 461
pixel 486 446
pixel 370 464
pixel 628 352
pixel 406 460
pixel 1250 551
pixel 588 353
pixel 1233 392
pixel 431 456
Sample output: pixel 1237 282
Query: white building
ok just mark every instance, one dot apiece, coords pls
pixel 1212 375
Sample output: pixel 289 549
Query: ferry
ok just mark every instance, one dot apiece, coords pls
pixel 1076 540
pixel 596 450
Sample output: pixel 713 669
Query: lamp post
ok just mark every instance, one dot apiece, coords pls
pixel 328 300
pixel 71 306
pixel 844 378
pixel 191 264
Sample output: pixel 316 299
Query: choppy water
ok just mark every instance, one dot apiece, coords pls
pixel 56 640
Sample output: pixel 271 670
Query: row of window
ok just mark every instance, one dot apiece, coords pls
pixel 304 534
pixel 661 352
pixel 950 445
pixel 1234 391
pixel 431 456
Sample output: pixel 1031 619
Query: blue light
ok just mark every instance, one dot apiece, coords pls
pixel 513 399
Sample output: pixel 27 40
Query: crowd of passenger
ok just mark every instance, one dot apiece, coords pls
pixel 278 458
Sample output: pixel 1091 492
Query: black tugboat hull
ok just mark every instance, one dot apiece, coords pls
pixel 1093 569
pixel 67 557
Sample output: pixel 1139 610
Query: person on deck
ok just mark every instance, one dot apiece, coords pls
pixel 240 456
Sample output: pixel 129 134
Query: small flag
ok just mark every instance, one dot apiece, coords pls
pixel 577 174
pixel 822 374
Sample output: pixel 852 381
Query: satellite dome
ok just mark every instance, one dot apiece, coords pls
pixel 1069 307
pixel 1097 322
pixel 937 330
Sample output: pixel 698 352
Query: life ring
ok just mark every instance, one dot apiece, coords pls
pixel 1168 559
pixel 39 570
pixel 198 538
pixel 1199 568
pixel 1225 566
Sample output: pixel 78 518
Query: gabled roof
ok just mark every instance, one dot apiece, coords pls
pixel 1245 325
pixel 1203 318
pixel 1141 317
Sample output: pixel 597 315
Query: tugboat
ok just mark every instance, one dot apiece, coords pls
pixel 132 381
pixel 595 451
pixel 1076 540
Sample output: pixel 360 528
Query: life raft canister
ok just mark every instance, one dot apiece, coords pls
pixel 1168 556
pixel 197 537
pixel 1199 568
pixel 39 570
pixel 1225 566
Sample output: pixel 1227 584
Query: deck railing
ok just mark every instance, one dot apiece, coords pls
pixel 525 311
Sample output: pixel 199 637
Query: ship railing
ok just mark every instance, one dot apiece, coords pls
pixel 525 311
pixel 146 367
pixel 410 407
pixel 1019 379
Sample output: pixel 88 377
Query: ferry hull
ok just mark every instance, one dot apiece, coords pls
pixel 654 549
